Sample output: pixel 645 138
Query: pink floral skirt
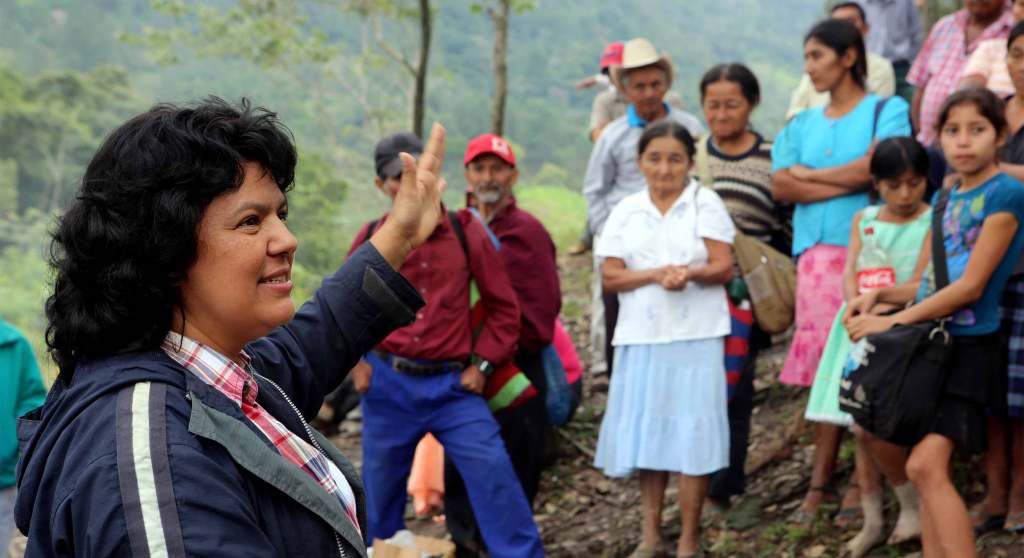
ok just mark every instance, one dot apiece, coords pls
pixel 819 294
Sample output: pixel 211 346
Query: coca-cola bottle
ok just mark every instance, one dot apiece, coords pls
pixel 873 268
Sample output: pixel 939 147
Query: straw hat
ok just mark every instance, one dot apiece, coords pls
pixel 640 53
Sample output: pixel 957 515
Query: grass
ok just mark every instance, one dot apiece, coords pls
pixel 562 211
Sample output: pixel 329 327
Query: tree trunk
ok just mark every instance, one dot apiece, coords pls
pixel 500 18
pixel 420 91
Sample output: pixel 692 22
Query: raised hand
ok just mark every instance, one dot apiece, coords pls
pixel 417 206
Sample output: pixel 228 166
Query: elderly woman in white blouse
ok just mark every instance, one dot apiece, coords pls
pixel 668 254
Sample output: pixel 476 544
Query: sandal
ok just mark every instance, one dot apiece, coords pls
pixel 988 522
pixel 1014 522
pixel 847 517
pixel 800 516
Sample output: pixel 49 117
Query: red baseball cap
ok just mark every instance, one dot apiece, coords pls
pixel 489 144
pixel 612 55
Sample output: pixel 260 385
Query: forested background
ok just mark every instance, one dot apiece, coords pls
pixel 341 73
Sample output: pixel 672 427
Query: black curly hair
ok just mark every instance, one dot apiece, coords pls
pixel 122 249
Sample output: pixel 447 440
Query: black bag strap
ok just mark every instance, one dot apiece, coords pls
pixel 938 242
pixel 878 113
pixel 459 232
pixel 452 217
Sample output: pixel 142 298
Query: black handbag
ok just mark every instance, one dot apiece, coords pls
pixel 893 380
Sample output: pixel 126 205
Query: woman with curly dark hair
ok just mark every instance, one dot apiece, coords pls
pixel 177 425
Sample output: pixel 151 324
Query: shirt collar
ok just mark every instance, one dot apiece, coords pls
pixel 508 208
pixel 634 119
pixel 213 368
pixel 688 196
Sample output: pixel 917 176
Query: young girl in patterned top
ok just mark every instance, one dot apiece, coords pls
pixel 982 238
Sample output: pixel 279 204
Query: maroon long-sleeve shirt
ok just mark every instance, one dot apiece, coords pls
pixel 439 271
pixel 529 256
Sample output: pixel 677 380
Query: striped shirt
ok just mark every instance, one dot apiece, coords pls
pixel 239 385
pixel 744 182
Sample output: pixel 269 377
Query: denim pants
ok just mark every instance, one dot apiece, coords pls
pixel 398 410
pixel 523 430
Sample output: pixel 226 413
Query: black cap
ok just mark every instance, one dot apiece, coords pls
pixel 385 155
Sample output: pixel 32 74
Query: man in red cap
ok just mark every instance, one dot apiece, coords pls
pixel 428 377
pixel 528 254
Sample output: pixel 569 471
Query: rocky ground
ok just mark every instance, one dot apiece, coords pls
pixel 583 513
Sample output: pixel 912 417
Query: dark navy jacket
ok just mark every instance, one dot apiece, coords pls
pixel 137 457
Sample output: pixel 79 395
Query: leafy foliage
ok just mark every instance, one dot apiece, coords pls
pixel 51 123
pixel 71 71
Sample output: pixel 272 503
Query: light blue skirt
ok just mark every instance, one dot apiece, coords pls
pixel 667 410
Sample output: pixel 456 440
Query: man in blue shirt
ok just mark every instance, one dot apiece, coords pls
pixel 613 173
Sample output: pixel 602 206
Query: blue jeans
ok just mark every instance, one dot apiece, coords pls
pixel 398 410
pixel 6 518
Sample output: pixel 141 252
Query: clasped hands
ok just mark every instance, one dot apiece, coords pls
pixel 671 277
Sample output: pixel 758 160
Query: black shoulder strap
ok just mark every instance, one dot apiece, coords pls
pixel 938 242
pixel 878 113
pixel 459 232
pixel 370 228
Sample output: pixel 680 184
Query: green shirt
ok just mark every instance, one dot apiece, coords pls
pixel 21 390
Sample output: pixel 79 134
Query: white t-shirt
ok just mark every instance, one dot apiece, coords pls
pixel 640 235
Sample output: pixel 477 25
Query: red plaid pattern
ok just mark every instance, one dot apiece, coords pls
pixel 941 62
pixel 238 385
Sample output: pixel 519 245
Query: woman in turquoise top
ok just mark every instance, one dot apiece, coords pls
pixel 820 162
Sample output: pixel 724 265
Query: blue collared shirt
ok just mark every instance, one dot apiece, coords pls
pixel 613 172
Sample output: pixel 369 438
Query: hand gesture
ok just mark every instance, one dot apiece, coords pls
pixel 417 205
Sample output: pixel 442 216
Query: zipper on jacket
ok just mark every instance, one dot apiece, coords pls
pixel 312 440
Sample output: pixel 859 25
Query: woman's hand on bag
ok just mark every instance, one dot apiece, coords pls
pixel 866 324
pixel 885 308
pixel 861 304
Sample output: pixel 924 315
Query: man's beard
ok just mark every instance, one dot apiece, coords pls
pixel 491 195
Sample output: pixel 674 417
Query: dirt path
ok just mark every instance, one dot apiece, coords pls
pixel 582 513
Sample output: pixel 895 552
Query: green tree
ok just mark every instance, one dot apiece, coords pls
pixel 51 124
pixel 499 15
pixel 8 187
pixel 286 35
